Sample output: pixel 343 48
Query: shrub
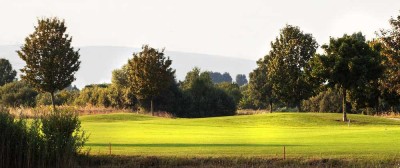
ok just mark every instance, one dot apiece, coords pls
pixel 16 94
pixel 64 97
pixel 13 140
pixel 53 140
pixel 62 135
pixel 326 101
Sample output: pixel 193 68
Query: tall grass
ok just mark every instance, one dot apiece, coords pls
pixel 52 140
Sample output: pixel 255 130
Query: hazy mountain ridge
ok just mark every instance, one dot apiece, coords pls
pixel 99 61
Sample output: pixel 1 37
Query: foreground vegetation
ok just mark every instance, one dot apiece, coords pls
pixel 163 161
pixel 305 135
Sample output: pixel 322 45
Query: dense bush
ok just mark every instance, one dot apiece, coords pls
pixel 16 94
pixel 329 100
pixel 94 95
pixel 53 140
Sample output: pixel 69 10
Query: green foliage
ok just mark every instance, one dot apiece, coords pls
pixel 350 63
pixel 217 77
pixel 149 73
pixel 94 96
pixel 53 140
pixel 232 89
pixel 121 95
pixel 51 61
pixel 391 53
pixel 63 97
pixel 328 100
pixel 248 101
pixel 7 73
pixel 62 135
pixel 260 91
pixel 241 79
pixel 16 94
pixel 288 66
pixel 13 140
pixel 205 99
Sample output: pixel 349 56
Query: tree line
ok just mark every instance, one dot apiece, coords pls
pixel 351 75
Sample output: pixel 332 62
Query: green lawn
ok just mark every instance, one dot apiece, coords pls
pixel 305 135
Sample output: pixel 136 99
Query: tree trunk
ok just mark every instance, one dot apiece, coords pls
pixel 299 107
pixel 270 106
pixel 151 107
pixel 52 101
pixel 344 104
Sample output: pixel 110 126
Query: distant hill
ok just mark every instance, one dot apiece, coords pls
pixel 99 61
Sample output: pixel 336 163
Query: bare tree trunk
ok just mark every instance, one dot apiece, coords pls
pixel 344 104
pixel 52 101
pixel 151 107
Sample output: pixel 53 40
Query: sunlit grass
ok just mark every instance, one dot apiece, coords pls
pixel 303 134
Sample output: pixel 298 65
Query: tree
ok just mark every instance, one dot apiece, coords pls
pixel 391 53
pixel 232 89
pixel 7 74
pixel 288 66
pixel 205 99
pixel 150 73
pixel 51 61
pixel 121 96
pixel 349 62
pixel 260 85
pixel 241 79
pixel 217 77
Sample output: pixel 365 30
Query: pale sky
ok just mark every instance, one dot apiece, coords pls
pixel 232 28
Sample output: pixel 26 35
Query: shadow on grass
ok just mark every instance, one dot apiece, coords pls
pixel 185 145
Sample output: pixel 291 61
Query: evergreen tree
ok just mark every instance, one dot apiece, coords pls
pixel 51 61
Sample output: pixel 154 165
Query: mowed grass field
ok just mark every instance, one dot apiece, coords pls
pixel 305 135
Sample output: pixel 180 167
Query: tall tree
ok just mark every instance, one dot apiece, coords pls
pixel 350 63
pixel 149 73
pixel 260 85
pixel 241 79
pixel 7 73
pixel 288 65
pixel 51 61
pixel 391 51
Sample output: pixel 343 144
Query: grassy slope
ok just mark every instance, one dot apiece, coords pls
pixel 303 134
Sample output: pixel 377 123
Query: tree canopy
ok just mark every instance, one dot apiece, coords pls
pixel 288 65
pixel 149 73
pixel 391 52
pixel 51 61
pixel 7 73
pixel 348 62
pixel 217 77
pixel 241 79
